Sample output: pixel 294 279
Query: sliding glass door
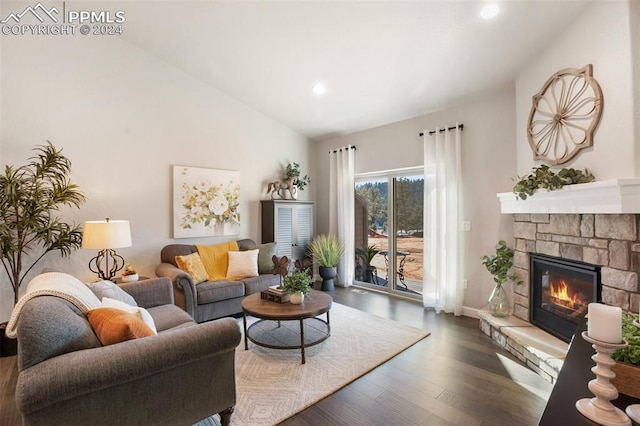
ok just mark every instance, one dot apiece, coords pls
pixel 389 234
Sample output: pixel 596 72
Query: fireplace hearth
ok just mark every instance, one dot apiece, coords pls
pixel 561 290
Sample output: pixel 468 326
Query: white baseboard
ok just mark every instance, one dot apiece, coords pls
pixel 470 312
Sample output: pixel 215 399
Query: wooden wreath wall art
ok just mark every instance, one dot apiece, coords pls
pixel 565 115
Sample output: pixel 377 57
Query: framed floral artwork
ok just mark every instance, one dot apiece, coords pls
pixel 206 202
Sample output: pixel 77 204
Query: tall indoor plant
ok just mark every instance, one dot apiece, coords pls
pixel 499 265
pixel 30 196
pixel 326 249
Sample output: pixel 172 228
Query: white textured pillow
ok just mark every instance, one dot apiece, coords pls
pixel 112 291
pixel 243 264
pixel 138 311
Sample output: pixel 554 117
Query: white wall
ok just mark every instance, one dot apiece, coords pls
pixel 124 118
pixel 599 36
pixel 488 154
pixel 634 20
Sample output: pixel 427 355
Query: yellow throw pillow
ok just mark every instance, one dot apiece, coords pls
pixel 113 325
pixel 243 264
pixel 193 266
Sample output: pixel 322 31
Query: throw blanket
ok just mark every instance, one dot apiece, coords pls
pixel 56 284
pixel 215 259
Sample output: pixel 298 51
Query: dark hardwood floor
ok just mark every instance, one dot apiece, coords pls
pixel 9 414
pixel 456 376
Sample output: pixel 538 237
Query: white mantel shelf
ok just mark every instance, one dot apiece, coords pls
pixel 608 196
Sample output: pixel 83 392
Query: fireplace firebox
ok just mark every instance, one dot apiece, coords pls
pixel 561 290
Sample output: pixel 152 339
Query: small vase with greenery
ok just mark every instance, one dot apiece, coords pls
pixel 326 249
pixel 130 273
pixel 293 170
pixel 499 265
pixel 298 284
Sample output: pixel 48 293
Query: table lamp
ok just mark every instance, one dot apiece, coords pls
pixel 106 235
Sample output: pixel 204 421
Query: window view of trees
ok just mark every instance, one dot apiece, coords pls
pixel 374 232
pixel 375 194
pixel 409 205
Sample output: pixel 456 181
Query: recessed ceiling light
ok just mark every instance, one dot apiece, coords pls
pixel 489 11
pixel 318 88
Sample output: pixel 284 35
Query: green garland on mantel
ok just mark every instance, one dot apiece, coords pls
pixel 543 177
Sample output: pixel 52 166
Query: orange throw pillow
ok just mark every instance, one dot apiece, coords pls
pixel 114 325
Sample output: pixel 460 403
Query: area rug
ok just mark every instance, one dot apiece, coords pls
pixel 273 385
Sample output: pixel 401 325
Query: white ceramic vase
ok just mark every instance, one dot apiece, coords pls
pixel 296 298
pixel 130 278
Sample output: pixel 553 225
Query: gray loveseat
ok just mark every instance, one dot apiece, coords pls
pixel 66 377
pixel 210 299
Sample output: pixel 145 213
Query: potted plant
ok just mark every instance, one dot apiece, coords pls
pixel 499 265
pixel 326 249
pixel 30 195
pixel 298 284
pixel 627 367
pixel 293 171
pixel 367 253
pixel 129 274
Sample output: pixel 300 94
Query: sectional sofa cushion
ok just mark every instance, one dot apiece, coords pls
pixel 215 291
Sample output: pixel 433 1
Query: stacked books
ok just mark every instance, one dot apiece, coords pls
pixel 275 293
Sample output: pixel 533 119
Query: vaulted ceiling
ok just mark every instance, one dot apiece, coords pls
pixel 381 62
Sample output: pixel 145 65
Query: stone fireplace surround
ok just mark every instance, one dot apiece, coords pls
pixel 595 222
pixel 610 240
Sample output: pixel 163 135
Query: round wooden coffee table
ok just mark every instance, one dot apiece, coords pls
pixel 270 332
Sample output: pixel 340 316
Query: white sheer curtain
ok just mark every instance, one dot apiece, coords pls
pixel 342 206
pixel 443 254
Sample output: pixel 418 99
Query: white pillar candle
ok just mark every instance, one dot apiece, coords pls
pixel 605 323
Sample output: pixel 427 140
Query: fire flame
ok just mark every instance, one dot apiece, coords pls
pixel 560 290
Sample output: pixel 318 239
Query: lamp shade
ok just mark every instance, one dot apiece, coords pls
pixel 106 234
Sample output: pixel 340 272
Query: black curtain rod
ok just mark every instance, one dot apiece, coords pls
pixel 336 150
pixel 460 126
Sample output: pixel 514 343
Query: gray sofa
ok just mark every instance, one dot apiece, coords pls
pixel 210 299
pixel 66 377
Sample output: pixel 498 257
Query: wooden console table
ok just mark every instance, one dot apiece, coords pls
pixel 572 385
